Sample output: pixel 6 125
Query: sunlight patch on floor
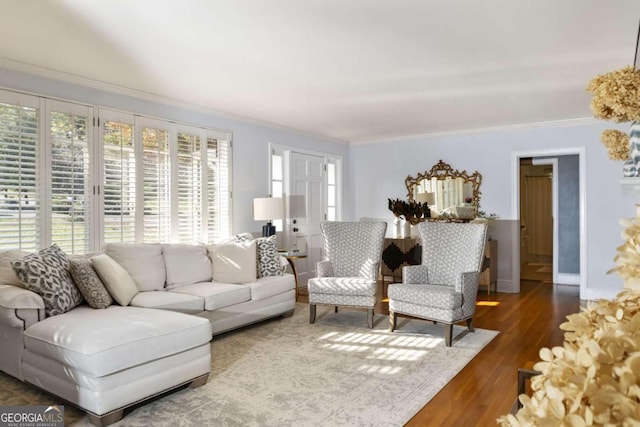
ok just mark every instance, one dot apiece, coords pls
pixel 411 341
pixel 398 354
pixel 375 369
pixel 488 303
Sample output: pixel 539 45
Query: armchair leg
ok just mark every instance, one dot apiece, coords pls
pixel 448 334
pixel 470 325
pixel 312 313
pixel 370 318
pixel 392 320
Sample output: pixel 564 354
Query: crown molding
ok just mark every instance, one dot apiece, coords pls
pixel 549 124
pixel 49 73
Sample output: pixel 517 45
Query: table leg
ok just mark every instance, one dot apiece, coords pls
pixel 295 274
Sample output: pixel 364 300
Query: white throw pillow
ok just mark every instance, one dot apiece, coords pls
pixel 115 278
pixel 144 262
pixel 186 264
pixel 234 262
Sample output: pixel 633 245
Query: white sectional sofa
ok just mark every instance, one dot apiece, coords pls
pixel 105 360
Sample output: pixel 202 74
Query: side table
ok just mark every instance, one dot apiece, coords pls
pixel 291 256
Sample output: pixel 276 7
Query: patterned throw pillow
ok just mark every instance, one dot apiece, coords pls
pixel 47 274
pixel 89 284
pixel 267 258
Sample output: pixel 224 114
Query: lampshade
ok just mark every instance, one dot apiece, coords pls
pixel 268 208
pixel 428 198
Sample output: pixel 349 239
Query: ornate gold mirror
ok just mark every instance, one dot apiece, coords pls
pixel 448 192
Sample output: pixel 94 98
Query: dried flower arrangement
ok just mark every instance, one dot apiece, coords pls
pixel 593 378
pixel 616 95
pixel 617 143
pixel 413 212
pixel 628 257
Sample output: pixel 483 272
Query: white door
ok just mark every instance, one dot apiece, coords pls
pixel 308 181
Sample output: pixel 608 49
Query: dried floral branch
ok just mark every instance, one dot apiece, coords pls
pixel 593 379
pixel 617 143
pixel 616 95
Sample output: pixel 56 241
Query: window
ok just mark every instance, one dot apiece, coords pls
pixel 119 178
pixel 19 197
pixel 70 187
pixel 143 180
pixel 332 190
pixel 277 181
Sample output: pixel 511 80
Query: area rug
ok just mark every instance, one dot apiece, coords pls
pixel 287 372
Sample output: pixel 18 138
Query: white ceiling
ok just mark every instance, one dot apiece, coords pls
pixel 355 70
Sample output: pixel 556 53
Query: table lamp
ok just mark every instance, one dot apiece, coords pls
pixel 268 209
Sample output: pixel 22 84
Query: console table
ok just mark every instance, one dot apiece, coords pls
pixel 400 252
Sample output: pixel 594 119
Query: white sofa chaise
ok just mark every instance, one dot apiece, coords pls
pixel 105 360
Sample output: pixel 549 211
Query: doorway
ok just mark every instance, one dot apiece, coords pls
pixel 538 210
pixel 569 252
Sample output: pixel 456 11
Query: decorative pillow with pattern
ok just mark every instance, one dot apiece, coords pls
pixel 47 274
pixel 267 258
pixel 89 284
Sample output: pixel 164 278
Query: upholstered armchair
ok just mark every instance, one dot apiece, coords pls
pixel 349 272
pixel 444 287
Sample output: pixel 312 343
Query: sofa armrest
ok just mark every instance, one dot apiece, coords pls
pixel 13 297
pixel 324 269
pixel 415 275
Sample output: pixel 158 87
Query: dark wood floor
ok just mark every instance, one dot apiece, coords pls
pixel 486 387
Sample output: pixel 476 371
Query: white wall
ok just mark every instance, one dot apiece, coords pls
pixel 378 171
pixel 250 140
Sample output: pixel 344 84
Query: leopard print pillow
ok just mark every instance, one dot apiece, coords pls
pixel 47 274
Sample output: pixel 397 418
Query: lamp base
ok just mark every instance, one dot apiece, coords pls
pixel 268 230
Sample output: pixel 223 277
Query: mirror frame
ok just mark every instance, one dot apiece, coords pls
pixel 442 170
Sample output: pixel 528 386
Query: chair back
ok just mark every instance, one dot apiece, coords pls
pixel 449 249
pixel 353 247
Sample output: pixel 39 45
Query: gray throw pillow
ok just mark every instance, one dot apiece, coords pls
pixel 47 274
pixel 89 284
pixel 267 258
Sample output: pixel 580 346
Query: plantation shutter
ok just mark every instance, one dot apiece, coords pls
pixel 19 157
pixel 156 185
pixel 218 153
pixel 119 177
pixel 70 188
pixel 189 186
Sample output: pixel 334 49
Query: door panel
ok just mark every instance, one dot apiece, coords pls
pixel 307 176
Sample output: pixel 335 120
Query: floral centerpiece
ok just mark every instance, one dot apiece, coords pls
pixel 412 212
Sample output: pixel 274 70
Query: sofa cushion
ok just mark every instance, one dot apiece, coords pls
pixel 115 278
pixel 7 275
pixel 266 287
pixel 89 284
pixel 186 264
pixel 233 262
pixel 144 262
pixel 217 295
pixel 47 274
pixel 102 342
pixel 174 301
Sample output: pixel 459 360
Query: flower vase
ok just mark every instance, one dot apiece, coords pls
pixel 397 228
pixel 406 229
pixel 631 167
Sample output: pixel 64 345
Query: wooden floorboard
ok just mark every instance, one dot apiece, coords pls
pixel 486 387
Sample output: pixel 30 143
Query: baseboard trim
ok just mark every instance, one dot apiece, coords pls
pixel 568 279
pixel 506 286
